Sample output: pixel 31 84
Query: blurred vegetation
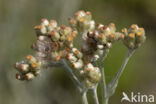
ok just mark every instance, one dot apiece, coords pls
pixel 17 18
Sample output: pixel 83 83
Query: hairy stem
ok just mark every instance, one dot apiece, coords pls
pixel 103 82
pixel 79 85
pixel 95 96
pixel 104 88
pixel 113 84
pixel 84 97
pixel 73 76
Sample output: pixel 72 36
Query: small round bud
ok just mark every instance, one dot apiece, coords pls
pixel 132 35
pixel 29 76
pixel 40 30
pixel 78 64
pixel 94 75
pixel 69 39
pixel 19 76
pixel 44 22
pixel 52 25
pixel 108 45
pixel 100 26
pixel 42 38
pixel 71 58
pixel 55 36
pixel 30 59
pixel 134 27
pixel 100 46
pixel 72 21
pixel 122 36
pixel 88 15
pixel 24 68
pixel 79 14
pixel 77 52
pixel 43 30
pixel 89 67
pixel 124 30
pixel 34 65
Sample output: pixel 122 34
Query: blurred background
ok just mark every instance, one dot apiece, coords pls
pixel 17 19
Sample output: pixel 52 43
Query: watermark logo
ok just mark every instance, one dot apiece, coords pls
pixel 141 98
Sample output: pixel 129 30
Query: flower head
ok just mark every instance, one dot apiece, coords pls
pixel 28 69
pixel 134 37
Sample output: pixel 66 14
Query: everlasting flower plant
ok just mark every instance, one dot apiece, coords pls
pixel 54 47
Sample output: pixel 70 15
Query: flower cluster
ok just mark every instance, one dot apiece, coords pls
pixel 134 37
pixel 92 75
pixel 96 40
pixel 55 43
pixel 100 40
pixel 52 44
pixel 82 21
pixel 28 69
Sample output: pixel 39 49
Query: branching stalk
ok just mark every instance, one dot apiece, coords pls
pixel 95 96
pixel 103 82
pixel 73 76
pixel 81 88
pixel 84 97
pixel 113 84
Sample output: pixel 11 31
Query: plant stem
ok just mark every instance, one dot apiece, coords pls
pixel 73 76
pixel 104 88
pixel 103 82
pixel 113 84
pixel 106 100
pixel 80 86
pixel 84 97
pixel 95 96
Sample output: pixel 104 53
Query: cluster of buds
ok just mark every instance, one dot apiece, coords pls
pixel 52 44
pixel 134 37
pixel 75 58
pixel 28 69
pixel 98 41
pixel 91 74
pixel 45 27
pixel 53 41
pixel 82 21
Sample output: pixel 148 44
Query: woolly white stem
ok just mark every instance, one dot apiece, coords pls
pixel 103 82
pixel 113 84
pixel 84 97
pixel 73 76
pixel 95 96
